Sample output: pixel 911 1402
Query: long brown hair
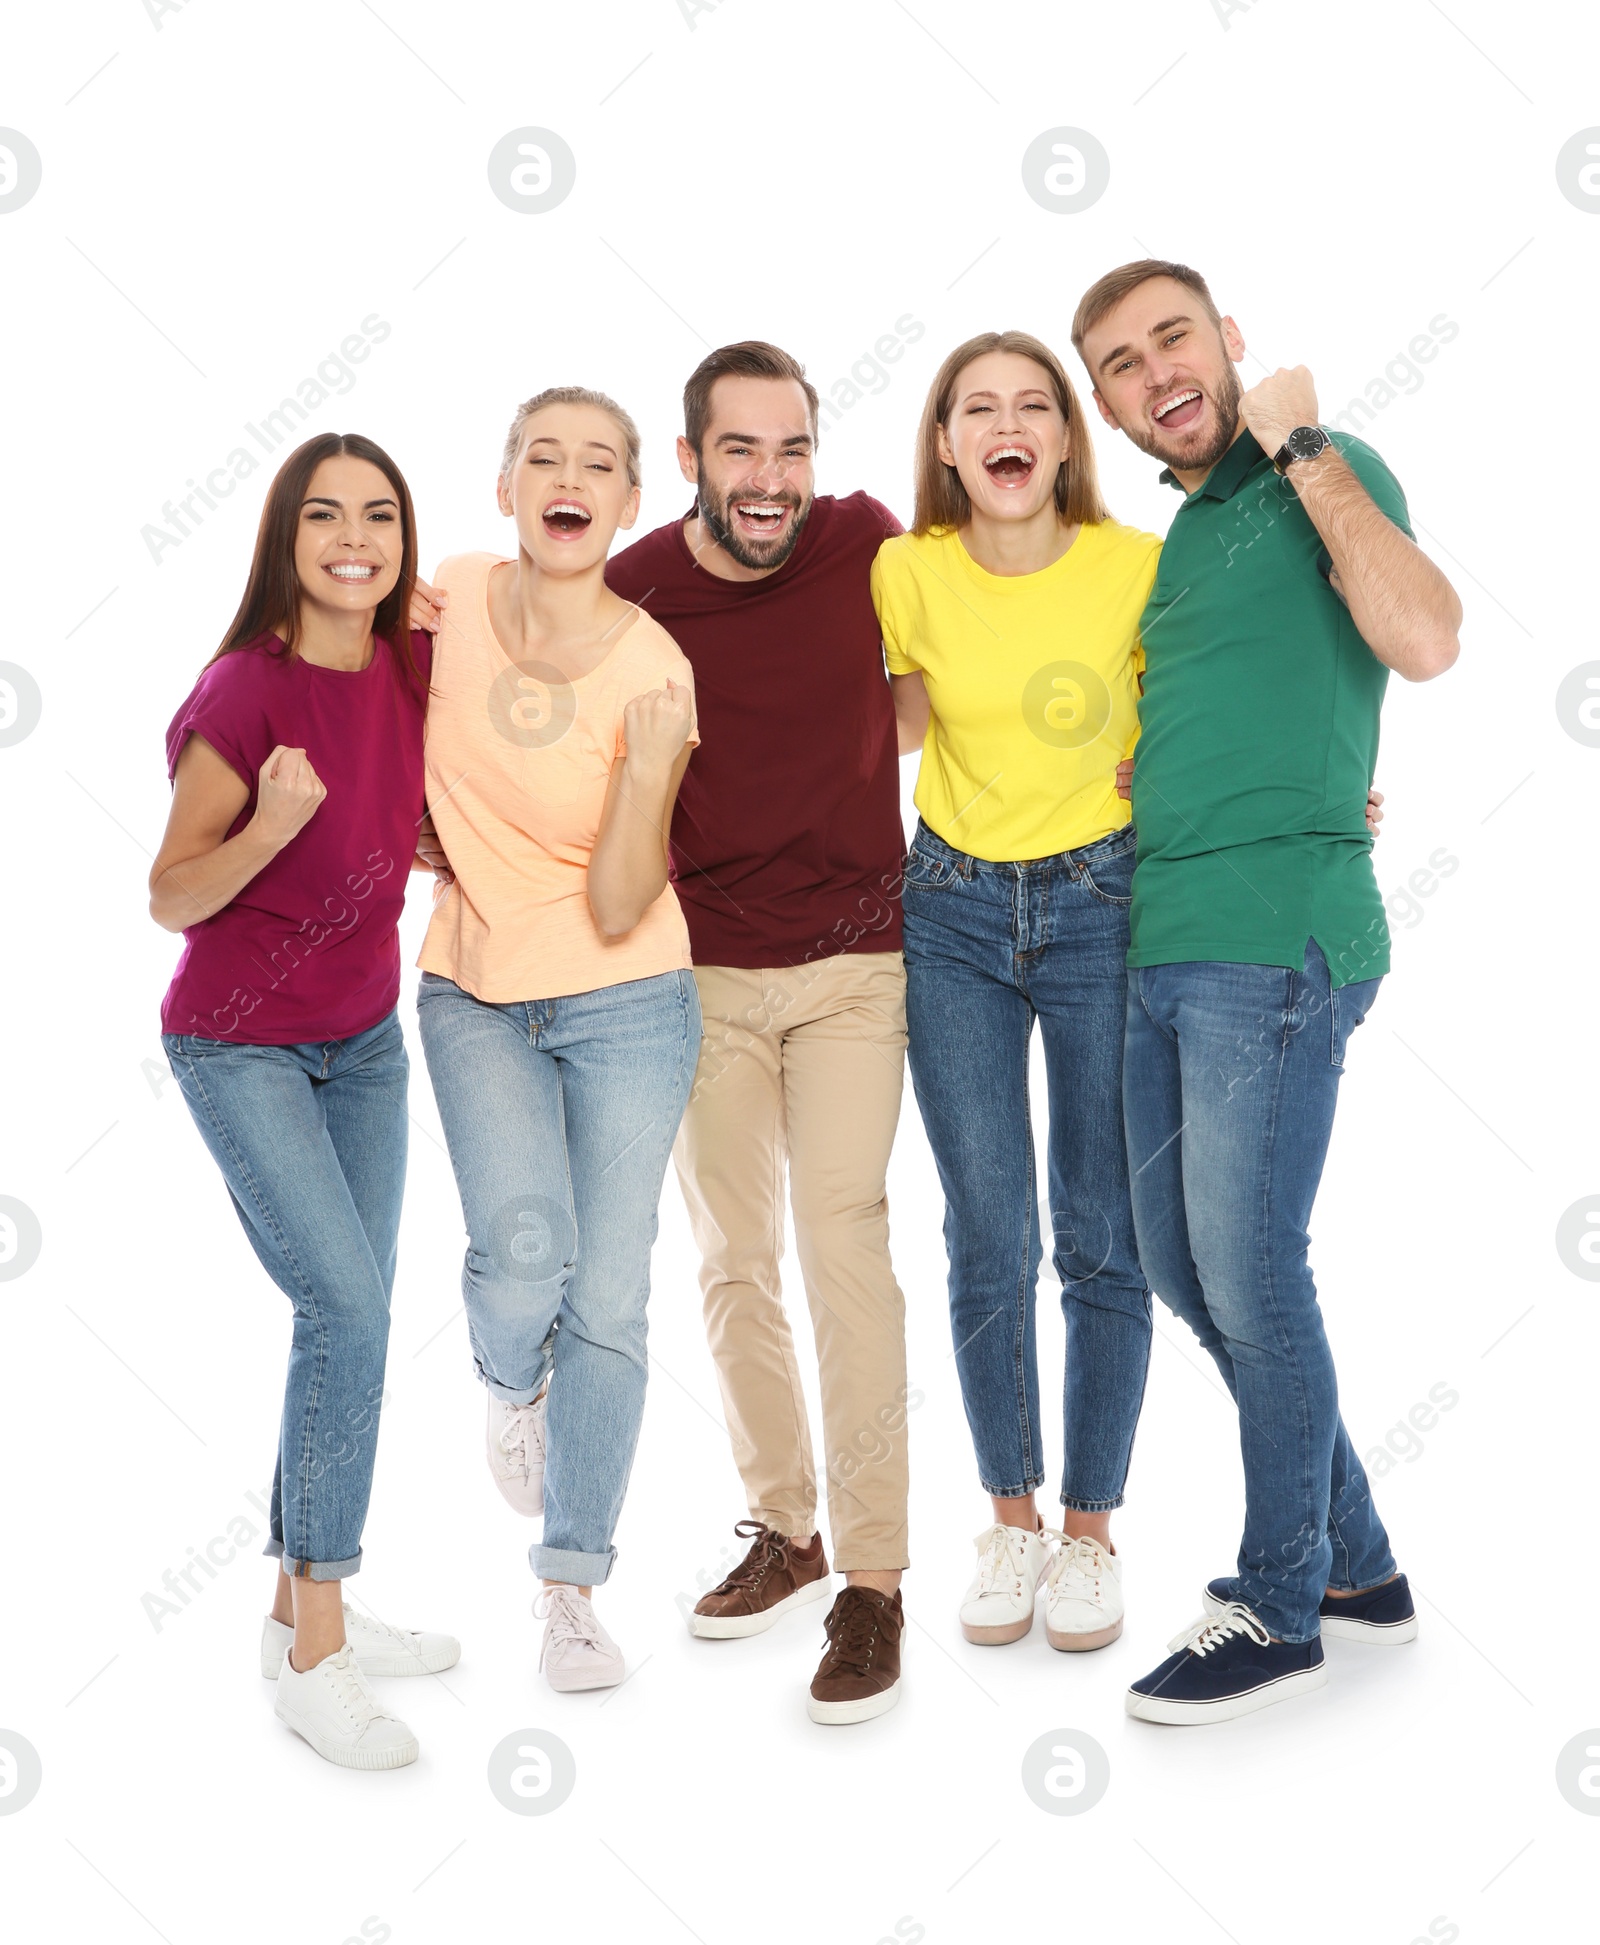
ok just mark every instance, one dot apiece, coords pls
pixel 942 500
pixel 271 604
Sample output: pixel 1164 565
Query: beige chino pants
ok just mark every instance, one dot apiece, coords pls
pixel 801 1066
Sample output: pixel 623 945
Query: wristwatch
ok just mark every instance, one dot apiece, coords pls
pixel 1305 442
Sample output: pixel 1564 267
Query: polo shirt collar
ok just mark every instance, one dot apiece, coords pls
pixel 1226 477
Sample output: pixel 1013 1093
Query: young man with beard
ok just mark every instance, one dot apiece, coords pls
pixel 786 851
pixel 1288 588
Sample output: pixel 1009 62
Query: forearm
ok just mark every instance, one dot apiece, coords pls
pixel 194 888
pixel 1405 609
pixel 628 867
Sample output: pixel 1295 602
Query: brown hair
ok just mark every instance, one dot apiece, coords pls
pixel 1107 292
pixel 573 395
pixel 752 359
pixel 271 603
pixel 942 500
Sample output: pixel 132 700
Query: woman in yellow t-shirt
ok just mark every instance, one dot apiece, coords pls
pixel 558 1012
pixel 1010 617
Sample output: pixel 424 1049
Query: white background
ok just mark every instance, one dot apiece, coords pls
pixel 228 191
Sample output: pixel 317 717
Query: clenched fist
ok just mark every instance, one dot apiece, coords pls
pixel 657 724
pixel 288 792
pixel 1277 405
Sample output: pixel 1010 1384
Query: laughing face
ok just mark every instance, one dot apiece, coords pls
pixel 1164 372
pixel 1006 435
pixel 754 476
pixel 348 543
pixel 568 489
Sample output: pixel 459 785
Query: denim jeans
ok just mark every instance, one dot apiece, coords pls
pixel 560 1115
pixel 1229 1083
pixel 311 1141
pixel 990 949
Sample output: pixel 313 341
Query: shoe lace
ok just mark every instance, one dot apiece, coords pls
pixel 999 1562
pixel 523 1433
pixel 1211 1630
pixel 350 1691
pixel 569 1617
pixel 1080 1559
pixel 768 1550
pixel 852 1628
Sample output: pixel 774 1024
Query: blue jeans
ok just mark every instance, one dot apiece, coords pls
pixel 311 1141
pixel 1229 1084
pixel 990 949
pixel 560 1115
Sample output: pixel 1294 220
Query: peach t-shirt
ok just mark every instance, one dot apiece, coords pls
pixel 517 763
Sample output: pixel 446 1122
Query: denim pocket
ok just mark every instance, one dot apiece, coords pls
pixel 1349 1006
pixel 1109 873
pixel 922 873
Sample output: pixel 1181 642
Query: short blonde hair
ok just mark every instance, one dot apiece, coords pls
pixel 573 395
pixel 942 500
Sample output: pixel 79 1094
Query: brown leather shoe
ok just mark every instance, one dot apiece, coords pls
pixel 770 1580
pixel 860 1672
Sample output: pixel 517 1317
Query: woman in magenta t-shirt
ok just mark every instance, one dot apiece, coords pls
pixel 296 764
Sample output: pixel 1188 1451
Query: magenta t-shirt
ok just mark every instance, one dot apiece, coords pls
pixel 308 950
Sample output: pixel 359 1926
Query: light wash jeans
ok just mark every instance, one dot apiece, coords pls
pixel 560 1115
pixel 991 951
pixel 311 1141
pixel 1230 1079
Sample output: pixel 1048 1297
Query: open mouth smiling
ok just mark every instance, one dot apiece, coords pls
pixel 1179 411
pixel 354 572
pixel 764 517
pixel 565 518
pixel 1010 466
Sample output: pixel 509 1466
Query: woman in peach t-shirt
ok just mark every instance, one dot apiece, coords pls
pixel 558 1013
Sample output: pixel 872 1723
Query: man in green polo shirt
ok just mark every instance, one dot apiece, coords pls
pixel 1289 586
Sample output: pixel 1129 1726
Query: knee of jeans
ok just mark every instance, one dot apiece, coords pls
pixel 496 1285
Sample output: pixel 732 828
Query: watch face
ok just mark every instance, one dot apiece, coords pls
pixel 1306 441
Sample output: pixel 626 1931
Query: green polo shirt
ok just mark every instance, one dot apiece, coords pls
pixel 1258 734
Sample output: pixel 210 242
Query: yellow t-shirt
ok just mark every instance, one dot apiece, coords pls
pixel 517 763
pixel 1032 680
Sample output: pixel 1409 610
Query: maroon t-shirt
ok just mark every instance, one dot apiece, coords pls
pixel 309 949
pixel 786 840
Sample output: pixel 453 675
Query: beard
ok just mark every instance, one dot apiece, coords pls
pixel 748 552
pixel 1200 458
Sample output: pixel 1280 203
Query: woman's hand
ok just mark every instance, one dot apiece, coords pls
pixel 288 792
pixel 656 725
pixel 431 854
pixel 427 607
pixel 1374 797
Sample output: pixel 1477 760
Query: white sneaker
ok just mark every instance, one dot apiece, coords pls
pixel 577 1651
pixel 380 1649
pixel 332 1707
pixel 1083 1595
pixel 998 1606
pixel 516 1452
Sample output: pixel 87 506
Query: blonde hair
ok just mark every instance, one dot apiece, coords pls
pixel 942 500
pixel 573 395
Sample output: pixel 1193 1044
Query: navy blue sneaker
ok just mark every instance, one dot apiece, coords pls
pixel 1387 1613
pixel 1226 1665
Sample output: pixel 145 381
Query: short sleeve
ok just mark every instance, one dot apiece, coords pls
pixel 886 569
pixel 1385 490
pixel 227 709
pixel 656 661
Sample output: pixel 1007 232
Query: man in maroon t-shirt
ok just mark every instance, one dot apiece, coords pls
pixel 786 853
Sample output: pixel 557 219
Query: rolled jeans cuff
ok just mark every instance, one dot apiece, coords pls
pixel 576 1569
pixel 517 1394
pixel 1091 1505
pixel 312 1569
